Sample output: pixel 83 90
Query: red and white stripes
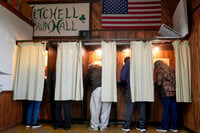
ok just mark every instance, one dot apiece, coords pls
pixel 142 14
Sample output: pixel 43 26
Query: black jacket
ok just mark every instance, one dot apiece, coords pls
pixel 93 77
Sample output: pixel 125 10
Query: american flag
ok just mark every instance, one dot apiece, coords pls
pixel 131 14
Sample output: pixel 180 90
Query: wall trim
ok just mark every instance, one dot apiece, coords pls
pixel 6 92
pixel 3 129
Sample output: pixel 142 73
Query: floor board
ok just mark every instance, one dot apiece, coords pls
pixel 78 128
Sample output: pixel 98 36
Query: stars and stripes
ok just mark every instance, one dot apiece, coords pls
pixel 131 14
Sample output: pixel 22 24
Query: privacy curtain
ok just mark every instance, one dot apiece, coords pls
pixel 69 80
pixel 183 71
pixel 30 72
pixel 141 71
pixel 109 86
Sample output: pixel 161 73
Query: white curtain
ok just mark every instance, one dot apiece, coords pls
pixel 109 85
pixel 183 71
pixel 69 80
pixel 30 72
pixel 141 71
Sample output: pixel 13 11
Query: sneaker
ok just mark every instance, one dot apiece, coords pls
pixel 28 125
pixel 161 129
pixel 125 129
pixel 67 128
pixel 104 129
pixel 57 126
pixel 141 128
pixel 174 130
pixel 36 125
pixel 92 129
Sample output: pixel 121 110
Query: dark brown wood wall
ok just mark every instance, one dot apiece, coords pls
pixel 191 115
pixel 80 110
pixel 11 112
pixel 154 111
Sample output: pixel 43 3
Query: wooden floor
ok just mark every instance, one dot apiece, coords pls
pixel 78 128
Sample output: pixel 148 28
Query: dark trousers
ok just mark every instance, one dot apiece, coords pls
pixel 129 111
pixel 169 107
pixel 58 116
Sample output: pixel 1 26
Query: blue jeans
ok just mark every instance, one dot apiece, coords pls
pixel 169 106
pixel 33 112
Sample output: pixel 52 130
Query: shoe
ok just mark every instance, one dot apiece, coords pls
pixel 67 128
pixel 104 129
pixel 125 128
pixel 92 129
pixel 28 125
pixel 141 128
pixel 160 129
pixel 174 130
pixel 57 126
pixel 36 125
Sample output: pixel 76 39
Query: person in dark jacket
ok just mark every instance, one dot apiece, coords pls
pixel 99 110
pixel 125 77
pixel 165 80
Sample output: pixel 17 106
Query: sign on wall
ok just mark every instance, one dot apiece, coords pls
pixel 60 19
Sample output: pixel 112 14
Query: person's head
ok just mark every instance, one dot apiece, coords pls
pixel 126 59
pixel 158 63
pixel 95 64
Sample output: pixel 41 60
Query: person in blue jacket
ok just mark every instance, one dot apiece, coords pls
pixel 125 78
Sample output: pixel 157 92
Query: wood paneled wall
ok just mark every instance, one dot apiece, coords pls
pixel 11 112
pixel 166 54
pixel 191 115
pixel 47 106
pixel 80 110
pixel 193 4
pixel 154 111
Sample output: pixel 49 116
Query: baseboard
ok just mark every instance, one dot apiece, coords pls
pixel 87 121
pixel 187 129
pixel 4 129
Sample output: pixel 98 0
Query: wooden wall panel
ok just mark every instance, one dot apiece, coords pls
pixel 168 7
pixel 154 111
pixel 80 110
pixel 85 61
pixel 124 34
pixel 47 106
pixel 193 4
pixel 191 115
pixel 11 112
pixel 166 54
pixel 46 111
pixel 96 16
